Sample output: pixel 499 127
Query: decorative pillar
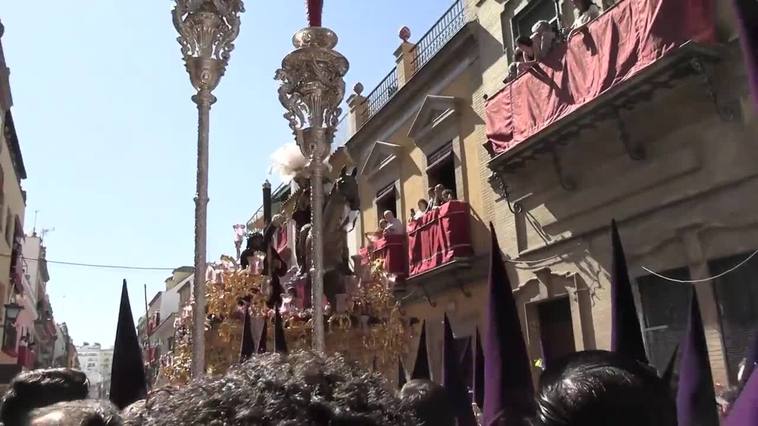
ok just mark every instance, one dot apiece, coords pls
pixel 358 113
pixel 404 58
pixel 207 30
pixel 312 89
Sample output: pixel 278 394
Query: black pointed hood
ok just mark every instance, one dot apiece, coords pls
pixel 421 367
pixel 247 348
pixel 280 341
pixel 263 338
pixel 626 334
pixel 128 381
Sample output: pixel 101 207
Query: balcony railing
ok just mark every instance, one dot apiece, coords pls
pixel 383 93
pixel 441 32
pixel 430 43
pixel 439 238
pixel 391 249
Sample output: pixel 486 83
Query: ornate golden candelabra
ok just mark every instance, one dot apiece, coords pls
pixel 312 89
pixel 372 330
pixel 207 30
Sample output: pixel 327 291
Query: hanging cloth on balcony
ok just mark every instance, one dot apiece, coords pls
pixel 439 237
pixel 609 51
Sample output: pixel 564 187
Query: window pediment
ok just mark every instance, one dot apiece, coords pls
pixel 435 114
pixel 381 156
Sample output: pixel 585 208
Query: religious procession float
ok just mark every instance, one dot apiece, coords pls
pixel 256 302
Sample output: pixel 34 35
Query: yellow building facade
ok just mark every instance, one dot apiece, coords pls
pixel 673 163
pixel 12 208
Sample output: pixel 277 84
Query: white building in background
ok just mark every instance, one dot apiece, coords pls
pixel 96 363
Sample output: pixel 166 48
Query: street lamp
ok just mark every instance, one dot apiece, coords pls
pixel 207 30
pixel 12 310
pixel 311 90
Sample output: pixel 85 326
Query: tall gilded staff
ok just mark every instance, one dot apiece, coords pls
pixel 207 30
pixel 312 89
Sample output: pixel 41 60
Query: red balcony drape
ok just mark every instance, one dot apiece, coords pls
pixel 626 39
pixel 391 248
pixel 439 237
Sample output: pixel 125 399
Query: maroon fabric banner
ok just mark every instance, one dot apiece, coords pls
pixel 438 237
pixel 391 248
pixel 626 39
pixel 281 240
pixel 747 20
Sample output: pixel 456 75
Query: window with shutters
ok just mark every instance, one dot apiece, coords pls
pixel 737 298
pixel 386 199
pixel 441 168
pixel 521 23
pixel 665 309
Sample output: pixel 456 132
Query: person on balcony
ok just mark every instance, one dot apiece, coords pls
pixel 526 45
pixel 372 237
pixel 587 11
pixel 430 204
pixel 518 58
pixel 543 38
pixel 394 225
pixel 439 199
pixel 447 195
pixel 423 206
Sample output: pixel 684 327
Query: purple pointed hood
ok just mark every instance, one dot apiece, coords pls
pixel 744 412
pixel 695 396
pixel 508 388
pixel 452 380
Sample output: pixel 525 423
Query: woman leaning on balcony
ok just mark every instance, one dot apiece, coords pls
pixel 587 12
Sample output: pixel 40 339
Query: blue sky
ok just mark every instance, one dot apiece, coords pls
pixel 107 131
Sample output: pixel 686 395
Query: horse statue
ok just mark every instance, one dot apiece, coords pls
pixel 340 203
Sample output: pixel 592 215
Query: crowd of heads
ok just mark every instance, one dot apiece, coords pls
pixel 589 388
pixel 271 389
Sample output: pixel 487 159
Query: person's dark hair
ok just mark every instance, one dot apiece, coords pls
pixel 40 388
pixel 583 5
pixel 429 402
pixel 134 415
pixel 423 201
pixel 599 388
pixel 76 413
pixel 524 40
pixel 301 388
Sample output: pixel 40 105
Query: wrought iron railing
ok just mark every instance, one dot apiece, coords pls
pixel 383 93
pixel 435 39
pixel 441 32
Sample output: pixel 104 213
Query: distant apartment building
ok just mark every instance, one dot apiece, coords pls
pixel 156 333
pixel 64 350
pixel 14 294
pixel 96 362
pixel 45 332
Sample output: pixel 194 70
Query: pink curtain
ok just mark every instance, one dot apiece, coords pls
pixel 626 39
pixel 439 237
pixel 391 248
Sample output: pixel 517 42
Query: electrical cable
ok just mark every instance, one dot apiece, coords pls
pixel 94 265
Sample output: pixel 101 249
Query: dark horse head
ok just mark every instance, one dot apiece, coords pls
pixel 347 186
